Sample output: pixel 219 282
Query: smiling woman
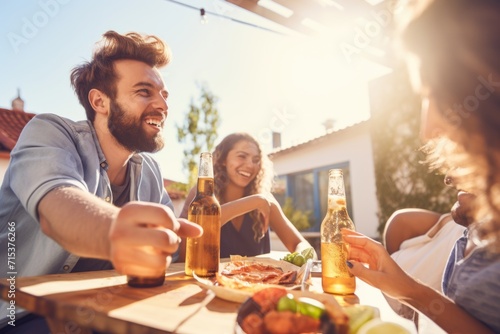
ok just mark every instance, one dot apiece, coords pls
pixel 243 176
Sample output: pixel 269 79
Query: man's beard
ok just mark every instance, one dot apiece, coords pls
pixel 129 131
pixel 462 210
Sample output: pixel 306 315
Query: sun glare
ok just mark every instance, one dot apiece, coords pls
pixel 320 84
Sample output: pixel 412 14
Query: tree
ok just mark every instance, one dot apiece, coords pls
pixel 300 219
pixel 199 131
pixel 402 180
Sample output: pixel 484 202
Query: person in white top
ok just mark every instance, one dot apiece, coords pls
pixel 454 46
pixel 420 241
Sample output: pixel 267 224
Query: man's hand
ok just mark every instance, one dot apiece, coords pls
pixel 143 237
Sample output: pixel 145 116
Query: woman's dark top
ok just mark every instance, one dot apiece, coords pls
pixel 233 242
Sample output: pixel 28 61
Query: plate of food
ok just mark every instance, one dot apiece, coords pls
pixel 238 279
pixel 277 310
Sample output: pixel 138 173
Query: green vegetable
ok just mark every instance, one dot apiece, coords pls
pixel 310 307
pixel 359 315
pixel 306 306
pixel 287 303
pixel 308 253
pixel 303 256
pixel 299 260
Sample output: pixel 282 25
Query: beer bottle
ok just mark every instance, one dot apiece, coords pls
pixel 203 253
pixel 336 277
pixel 147 282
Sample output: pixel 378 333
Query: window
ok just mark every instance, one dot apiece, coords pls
pixel 279 189
pixel 302 190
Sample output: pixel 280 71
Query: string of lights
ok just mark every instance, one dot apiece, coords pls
pixel 204 12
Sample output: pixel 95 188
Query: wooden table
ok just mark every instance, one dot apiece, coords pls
pixel 101 300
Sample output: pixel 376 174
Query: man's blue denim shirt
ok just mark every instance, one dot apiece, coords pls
pixel 52 152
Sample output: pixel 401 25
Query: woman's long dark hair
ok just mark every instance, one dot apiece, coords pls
pixel 261 184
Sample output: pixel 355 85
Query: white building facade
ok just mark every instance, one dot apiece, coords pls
pixel 302 172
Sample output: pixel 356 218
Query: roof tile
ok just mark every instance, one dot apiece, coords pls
pixel 12 123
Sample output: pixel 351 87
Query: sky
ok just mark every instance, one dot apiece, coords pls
pixel 264 80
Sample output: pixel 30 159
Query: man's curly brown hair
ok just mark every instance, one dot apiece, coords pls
pixel 100 74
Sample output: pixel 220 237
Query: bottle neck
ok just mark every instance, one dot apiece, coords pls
pixel 336 202
pixel 205 185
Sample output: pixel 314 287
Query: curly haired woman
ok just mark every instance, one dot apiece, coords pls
pixel 243 179
pixel 457 44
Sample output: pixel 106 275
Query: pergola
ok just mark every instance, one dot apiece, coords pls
pixel 358 26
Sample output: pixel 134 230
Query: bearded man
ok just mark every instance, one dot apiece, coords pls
pixel 81 196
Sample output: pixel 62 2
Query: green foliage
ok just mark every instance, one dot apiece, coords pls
pixel 199 131
pixel 178 186
pixel 300 219
pixel 402 180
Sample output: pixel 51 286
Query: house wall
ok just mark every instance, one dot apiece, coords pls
pixel 351 145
